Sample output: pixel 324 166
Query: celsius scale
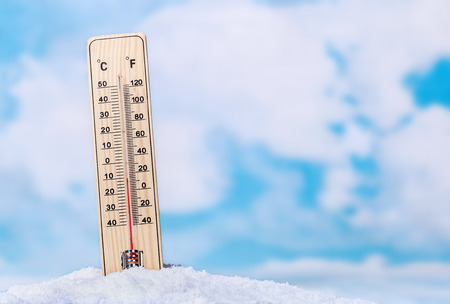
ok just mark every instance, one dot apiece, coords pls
pixel 128 209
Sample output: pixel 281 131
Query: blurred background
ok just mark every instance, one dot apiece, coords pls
pixel 299 141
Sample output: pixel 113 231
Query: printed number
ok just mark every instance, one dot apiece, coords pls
pixel 102 84
pixel 109 191
pixel 109 176
pixel 136 82
pixel 142 167
pixel 144 185
pixel 107 160
pixel 145 203
pixel 110 207
pixel 140 133
pixel 105 129
pixel 104 114
pixel 137 99
pixel 103 99
pixel 106 145
pixel 112 223
pixel 139 116
pixel 147 220
pixel 142 151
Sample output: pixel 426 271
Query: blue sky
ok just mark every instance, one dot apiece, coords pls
pixel 300 141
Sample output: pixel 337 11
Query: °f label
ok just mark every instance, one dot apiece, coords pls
pixel 124 155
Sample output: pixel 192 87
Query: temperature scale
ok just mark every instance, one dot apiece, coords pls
pixel 124 155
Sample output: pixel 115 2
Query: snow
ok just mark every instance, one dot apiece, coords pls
pixel 169 285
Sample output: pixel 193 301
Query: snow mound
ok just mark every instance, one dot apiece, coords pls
pixel 169 285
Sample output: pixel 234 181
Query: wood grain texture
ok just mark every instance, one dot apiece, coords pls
pixel 124 151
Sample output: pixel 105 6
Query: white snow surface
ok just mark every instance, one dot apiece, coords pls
pixel 169 285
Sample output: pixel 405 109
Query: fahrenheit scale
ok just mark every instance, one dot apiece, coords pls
pixel 124 155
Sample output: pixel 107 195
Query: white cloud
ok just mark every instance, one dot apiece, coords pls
pixel 339 183
pixel 249 69
pixel 51 137
pixel 416 173
pixel 190 176
pixel 372 279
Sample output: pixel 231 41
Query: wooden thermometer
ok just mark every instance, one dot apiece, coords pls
pixel 124 155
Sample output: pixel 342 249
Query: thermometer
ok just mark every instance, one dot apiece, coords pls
pixel 128 209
